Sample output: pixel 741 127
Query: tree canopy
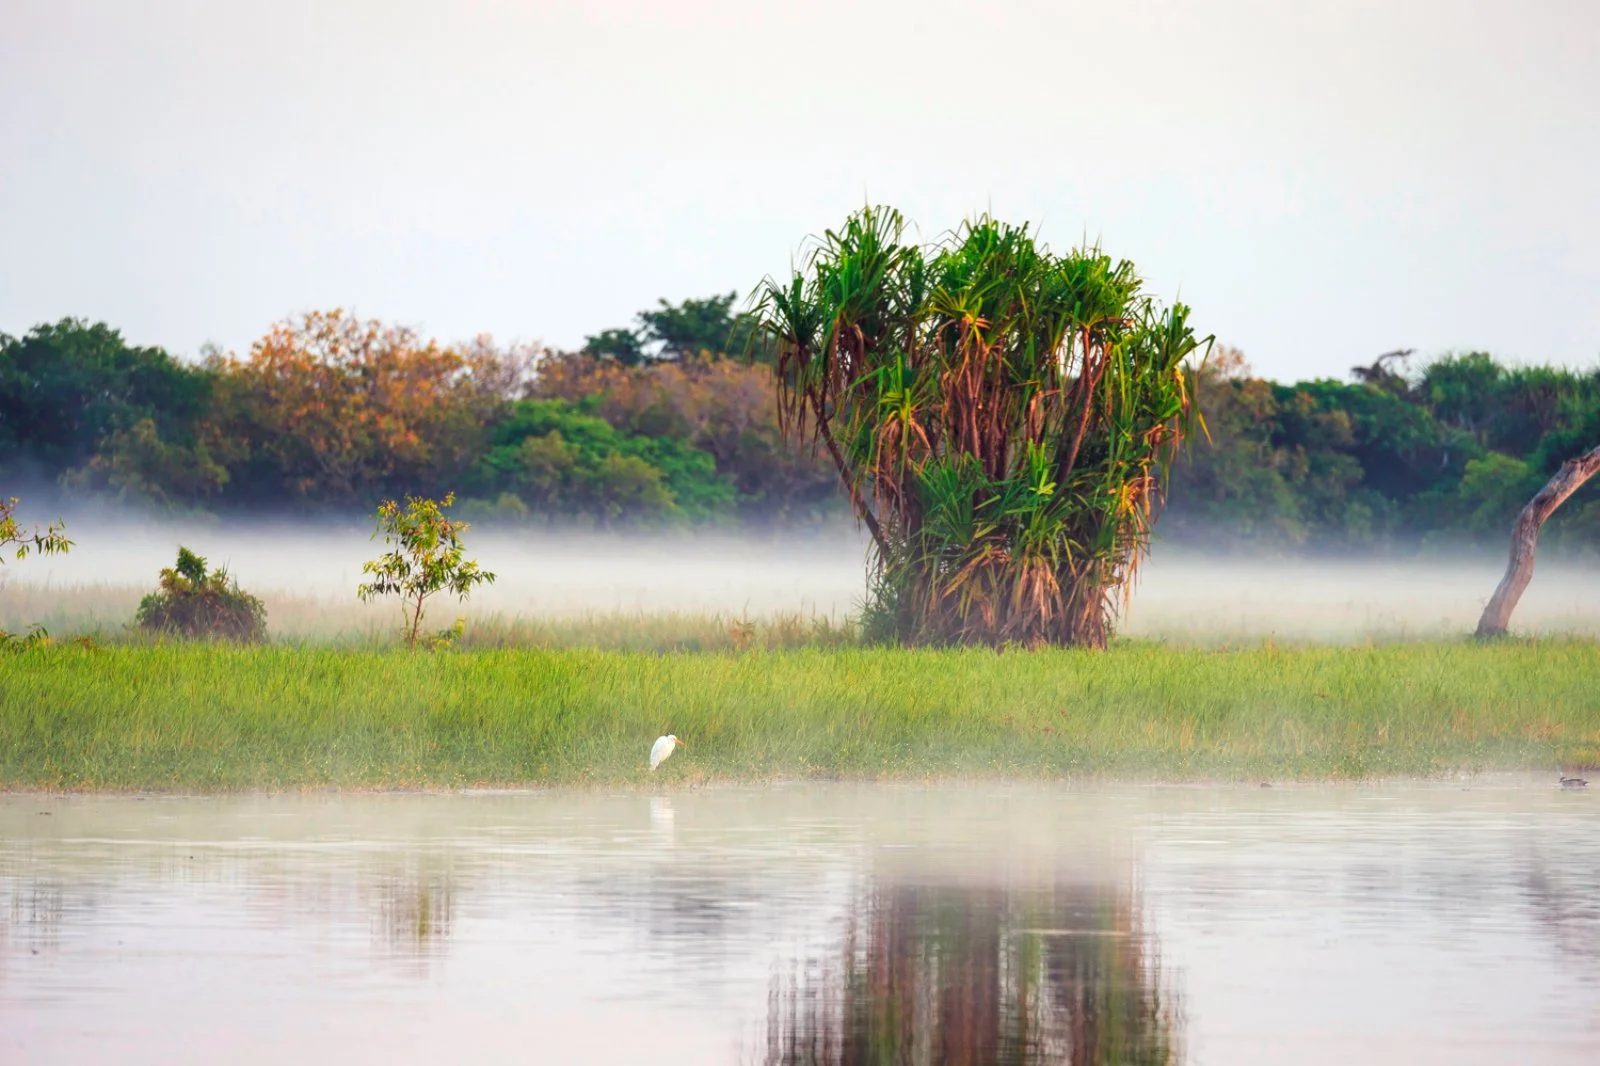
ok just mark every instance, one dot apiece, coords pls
pixel 329 412
pixel 678 331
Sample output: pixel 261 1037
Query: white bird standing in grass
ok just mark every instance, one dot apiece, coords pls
pixel 663 747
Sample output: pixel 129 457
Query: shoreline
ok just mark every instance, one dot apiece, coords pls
pixel 1477 781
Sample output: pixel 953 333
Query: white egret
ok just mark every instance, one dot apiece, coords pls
pixel 663 747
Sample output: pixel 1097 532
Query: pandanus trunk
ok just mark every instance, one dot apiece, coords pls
pixel 1525 540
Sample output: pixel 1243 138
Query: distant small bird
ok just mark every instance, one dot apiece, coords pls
pixel 1573 782
pixel 663 747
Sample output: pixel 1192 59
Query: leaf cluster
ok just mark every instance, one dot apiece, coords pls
pixel 671 332
pixel 556 457
pixel 37 636
pixel 51 540
pixel 66 386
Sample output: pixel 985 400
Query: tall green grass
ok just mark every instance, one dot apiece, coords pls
pixel 105 614
pixel 177 716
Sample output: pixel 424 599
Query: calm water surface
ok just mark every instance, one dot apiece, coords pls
pixel 1439 923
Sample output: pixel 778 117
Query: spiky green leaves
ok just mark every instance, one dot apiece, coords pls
pixel 1002 417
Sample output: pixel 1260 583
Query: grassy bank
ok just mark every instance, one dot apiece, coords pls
pixel 197 717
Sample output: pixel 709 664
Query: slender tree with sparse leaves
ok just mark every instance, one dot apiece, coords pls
pixel 1002 418
pixel 427 558
pixel 51 540
pixel 21 542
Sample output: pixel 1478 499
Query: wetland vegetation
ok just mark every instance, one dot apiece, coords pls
pixel 212 717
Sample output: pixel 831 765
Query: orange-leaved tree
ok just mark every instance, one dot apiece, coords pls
pixel 329 408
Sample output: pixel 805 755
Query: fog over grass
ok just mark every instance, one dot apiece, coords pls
pixel 308 576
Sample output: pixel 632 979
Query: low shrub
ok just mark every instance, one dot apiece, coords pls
pixel 198 605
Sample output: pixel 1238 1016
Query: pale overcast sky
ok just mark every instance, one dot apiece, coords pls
pixel 1321 180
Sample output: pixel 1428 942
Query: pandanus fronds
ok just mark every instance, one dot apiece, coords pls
pixel 1003 419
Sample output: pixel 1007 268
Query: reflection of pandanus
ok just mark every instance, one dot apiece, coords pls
pixel 415 914
pixel 1106 989
pixel 959 975
pixel 1565 907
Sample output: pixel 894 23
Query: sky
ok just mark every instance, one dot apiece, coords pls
pixel 1320 180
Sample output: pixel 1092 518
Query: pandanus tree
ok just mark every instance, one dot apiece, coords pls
pixel 1002 418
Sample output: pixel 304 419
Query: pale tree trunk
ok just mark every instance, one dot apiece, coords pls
pixel 1525 538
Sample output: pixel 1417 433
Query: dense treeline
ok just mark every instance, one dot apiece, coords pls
pixel 1444 457
pixel 331 413
pixel 673 420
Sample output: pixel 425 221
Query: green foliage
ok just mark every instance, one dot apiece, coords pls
pixel 681 331
pixel 65 387
pixel 201 606
pixel 625 346
pixel 137 465
pixel 505 509
pixel 1001 417
pixel 1515 410
pixel 558 460
pixel 1383 462
pixel 427 558
pixel 1493 489
pixel 51 540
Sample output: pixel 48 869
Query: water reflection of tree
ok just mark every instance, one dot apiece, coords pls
pixel 960 975
pixel 413 913
pixel 1565 905
pixel 35 915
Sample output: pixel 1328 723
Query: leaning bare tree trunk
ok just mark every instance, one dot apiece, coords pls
pixel 1525 538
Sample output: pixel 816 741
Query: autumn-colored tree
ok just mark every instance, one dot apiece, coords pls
pixel 328 408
